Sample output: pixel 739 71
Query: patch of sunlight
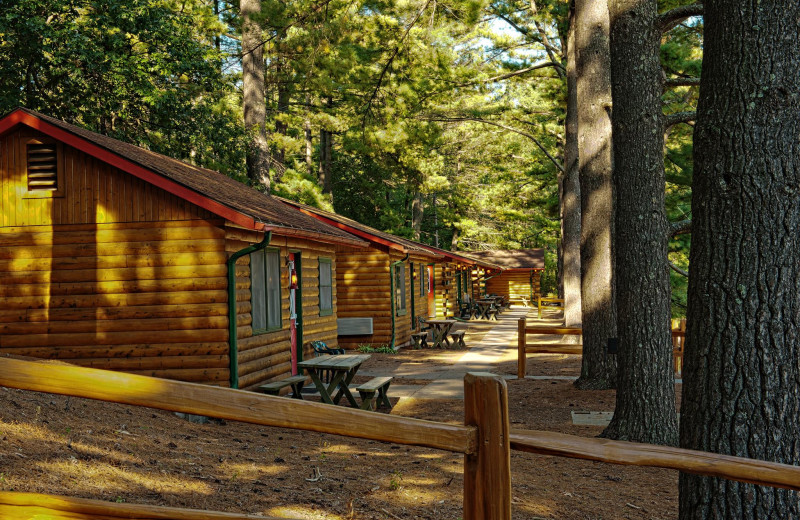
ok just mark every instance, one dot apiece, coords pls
pixel 403 492
pixel 301 513
pixel 430 456
pixel 94 451
pixel 249 471
pixel 102 477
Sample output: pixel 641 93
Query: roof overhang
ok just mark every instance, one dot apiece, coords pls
pixel 21 117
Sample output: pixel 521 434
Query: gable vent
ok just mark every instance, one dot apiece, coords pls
pixel 42 167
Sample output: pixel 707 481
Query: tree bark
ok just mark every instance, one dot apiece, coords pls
pixel 254 103
pixel 281 128
pixel 593 79
pixel 417 212
pixel 741 375
pixel 325 157
pixel 571 201
pixel 645 408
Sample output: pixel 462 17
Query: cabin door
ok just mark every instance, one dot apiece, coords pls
pixel 296 308
pixel 431 294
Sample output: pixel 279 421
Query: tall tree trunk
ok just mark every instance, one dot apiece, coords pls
pixel 740 392
pixel 322 172
pixel 593 71
pixel 280 125
pixel 645 409
pixel 309 141
pixel 254 103
pixel 417 212
pixel 571 199
pixel 326 157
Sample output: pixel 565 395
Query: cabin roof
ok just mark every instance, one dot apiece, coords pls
pixel 465 258
pixel 218 193
pixel 512 258
pixel 365 232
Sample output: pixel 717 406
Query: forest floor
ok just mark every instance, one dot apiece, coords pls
pixel 77 447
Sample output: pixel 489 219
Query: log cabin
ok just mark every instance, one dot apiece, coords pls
pixel 119 258
pixel 381 292
pixel 519 278
pixel 455 276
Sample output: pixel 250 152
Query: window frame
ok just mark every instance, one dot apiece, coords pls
pixel 268 291
pixel 329 262
pixel 400 307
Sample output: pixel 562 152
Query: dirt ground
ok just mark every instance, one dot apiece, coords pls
pixel 77 447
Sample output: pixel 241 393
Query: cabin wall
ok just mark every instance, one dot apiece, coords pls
pixel 147 298
pixel 267 356
pixel 515 285
pixel 363 291
pixel 446 290
pixel 111 273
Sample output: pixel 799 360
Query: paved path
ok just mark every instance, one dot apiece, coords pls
pixel 447 381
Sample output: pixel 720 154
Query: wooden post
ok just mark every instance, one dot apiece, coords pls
pixel 521 352
pixel 539 305
pixel 487 471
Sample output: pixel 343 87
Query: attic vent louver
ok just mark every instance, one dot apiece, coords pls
pixel 42 167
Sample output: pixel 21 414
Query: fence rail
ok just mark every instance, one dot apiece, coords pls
pixel 485 439
pixel 523 348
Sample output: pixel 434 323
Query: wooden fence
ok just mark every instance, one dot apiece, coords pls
pixel 523 348
pixel 559 304
pixel 485 439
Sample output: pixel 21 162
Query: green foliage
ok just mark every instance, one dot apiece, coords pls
pixel 382 349
pixel 144 71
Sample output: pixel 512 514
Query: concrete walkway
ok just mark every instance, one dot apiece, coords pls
pixel 447 381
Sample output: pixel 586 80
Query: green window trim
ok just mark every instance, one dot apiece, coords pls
pixel 325 286
pixel 265 291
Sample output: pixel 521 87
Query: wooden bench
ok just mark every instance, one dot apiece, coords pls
pixel 367 391
pixel 296 382
pixel 420 339
pixel 458 338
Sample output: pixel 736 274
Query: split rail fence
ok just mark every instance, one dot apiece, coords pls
pixel 576 349
pixel 485 439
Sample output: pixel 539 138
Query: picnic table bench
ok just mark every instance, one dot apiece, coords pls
pixel 376 385
pixel 274 388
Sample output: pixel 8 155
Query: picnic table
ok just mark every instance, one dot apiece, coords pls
pixel 342 369
pixel 440 329
pixel 484 306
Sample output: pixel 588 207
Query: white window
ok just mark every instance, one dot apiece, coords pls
pixel 400 288
pixel 325 287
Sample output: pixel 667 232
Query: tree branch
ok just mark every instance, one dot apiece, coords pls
pixel 507 75
pixel 680 228
pixel 681 82
pixel 499 125
pixel 385 68
pixel 678 269
pixel 668 20
pixel 678 117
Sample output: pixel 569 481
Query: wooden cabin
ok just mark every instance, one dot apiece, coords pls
pixel 382 291
pixel 519 277
pixel 455 276
pixel 119 258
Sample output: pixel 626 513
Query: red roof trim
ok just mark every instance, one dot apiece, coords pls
pixel 19 116
pixel 354 231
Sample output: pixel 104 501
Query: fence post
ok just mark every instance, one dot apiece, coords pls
pixel 487 472
pixel 539 305
pixel 522 359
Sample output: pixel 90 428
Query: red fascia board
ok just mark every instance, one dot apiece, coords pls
pixel 21 117
pixel 363 234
